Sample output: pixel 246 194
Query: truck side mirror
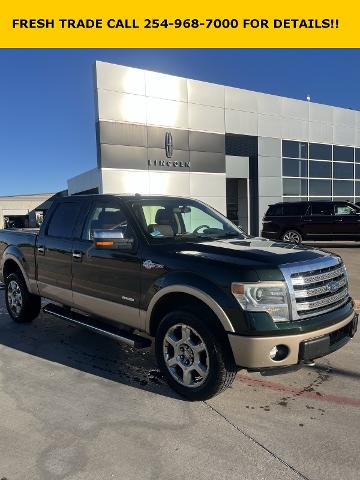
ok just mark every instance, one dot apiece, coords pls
pixel 113 239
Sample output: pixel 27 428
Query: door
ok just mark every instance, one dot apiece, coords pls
pixel 54 252
pixel 106 281
pixel 346 221
pixel 320 223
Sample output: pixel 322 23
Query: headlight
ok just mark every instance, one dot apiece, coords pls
pixel 271 297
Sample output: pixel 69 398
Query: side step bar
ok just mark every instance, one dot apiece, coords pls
pixel 97 326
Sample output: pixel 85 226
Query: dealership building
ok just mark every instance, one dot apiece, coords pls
pixel 236 149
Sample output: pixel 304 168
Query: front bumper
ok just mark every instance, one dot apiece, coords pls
pixel 252 353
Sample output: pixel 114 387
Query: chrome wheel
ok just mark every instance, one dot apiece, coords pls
pixel 186 356
pixel 14 296
pixel 292 236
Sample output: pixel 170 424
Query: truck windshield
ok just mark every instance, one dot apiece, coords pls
pixel 178 219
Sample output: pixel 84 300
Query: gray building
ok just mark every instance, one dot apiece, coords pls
pixel 236 149
pixel 24 211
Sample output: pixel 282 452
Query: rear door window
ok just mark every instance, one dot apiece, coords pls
pixel 63 221
pixel 322 209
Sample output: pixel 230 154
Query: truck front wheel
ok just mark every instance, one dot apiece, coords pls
pixel 194 360
pixel 20 303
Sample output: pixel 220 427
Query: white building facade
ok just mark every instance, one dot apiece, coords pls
pixel 236 149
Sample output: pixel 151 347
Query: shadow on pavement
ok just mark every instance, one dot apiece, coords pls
pixel 56 341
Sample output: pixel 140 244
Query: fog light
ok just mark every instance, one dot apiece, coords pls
pixel 279 352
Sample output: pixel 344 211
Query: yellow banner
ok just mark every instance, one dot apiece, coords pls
pixel 180 24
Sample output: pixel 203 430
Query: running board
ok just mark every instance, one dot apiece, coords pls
pixel 97 326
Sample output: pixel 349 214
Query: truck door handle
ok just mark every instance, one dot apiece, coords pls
pixel 77 255
pixel 339 220
pixel 41 250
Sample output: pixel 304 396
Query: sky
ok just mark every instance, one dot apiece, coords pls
pixel 47 121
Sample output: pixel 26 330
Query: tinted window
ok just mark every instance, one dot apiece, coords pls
pixel 241 145
pixel 275 210
pixel 293 186
pixel 294 168
pixel 343 187
pixel 322 209
pixel 344 154
pixel 104 216
pixel 63 221
pixel 320 187
pixel 295 209
pixel 319 151
pixel 319 169
pixel 357 155
pixel 343 170
pixel 344 209
pixel 294 149
pixel 357 188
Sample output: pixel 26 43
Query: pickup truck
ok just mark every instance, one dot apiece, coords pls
pixel 174 270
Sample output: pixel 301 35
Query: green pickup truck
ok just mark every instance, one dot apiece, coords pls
pixel 173 270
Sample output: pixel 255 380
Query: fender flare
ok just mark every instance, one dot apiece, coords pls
pixel 12 256
pixel 194 292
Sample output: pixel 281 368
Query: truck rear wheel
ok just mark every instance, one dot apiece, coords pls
pixel 194 360
pixel 20 303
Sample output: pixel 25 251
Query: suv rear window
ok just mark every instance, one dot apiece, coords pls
pixel 275 210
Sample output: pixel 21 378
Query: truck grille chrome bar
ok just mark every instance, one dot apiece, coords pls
pixel 316 287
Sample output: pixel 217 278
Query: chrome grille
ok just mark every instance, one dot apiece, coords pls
pixel 316 287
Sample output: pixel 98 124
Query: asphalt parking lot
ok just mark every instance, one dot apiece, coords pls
pixel 77 406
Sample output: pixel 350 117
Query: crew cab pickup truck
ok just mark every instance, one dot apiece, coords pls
pixel 173 270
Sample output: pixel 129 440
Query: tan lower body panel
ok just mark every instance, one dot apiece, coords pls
pixel 117 312
pixel 253 352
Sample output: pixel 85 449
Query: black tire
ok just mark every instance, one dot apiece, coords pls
pixel 292 236
pixel 217 358
pixel 27 306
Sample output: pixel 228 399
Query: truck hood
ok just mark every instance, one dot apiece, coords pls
pixel 258 251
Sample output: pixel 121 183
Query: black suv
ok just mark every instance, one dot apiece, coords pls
pixel 320 220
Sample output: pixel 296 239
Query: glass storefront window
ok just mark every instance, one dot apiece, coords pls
pixel 357 172
pixel 319 151
pixel 319 169
pixel 320 187
pixel 343 154
pixel 343 170
pixel 343 187
pixel 294 168
pixel 294 186
pixel 357 188
pixel 294 149
pixel 295 199
pixel 357 154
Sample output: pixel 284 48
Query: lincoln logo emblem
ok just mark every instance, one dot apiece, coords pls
pixel 169 146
